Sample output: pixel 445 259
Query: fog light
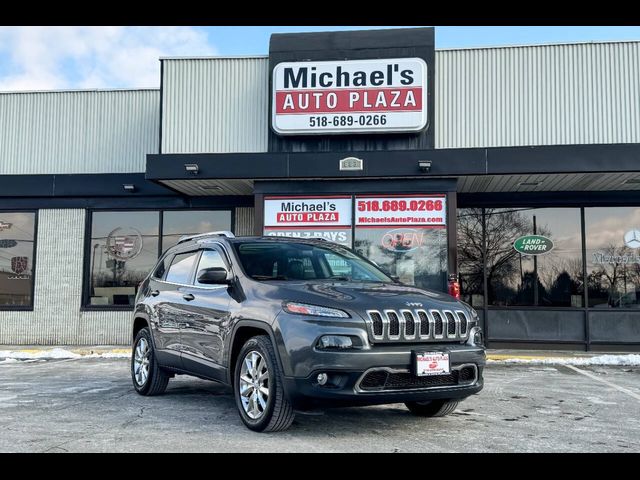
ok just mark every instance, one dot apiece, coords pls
pixel 335 341
pixel 322 378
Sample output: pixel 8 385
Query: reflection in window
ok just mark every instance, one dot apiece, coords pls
pixel 177 223
pixel 17 250
pixel 417 256
pixel 180 269
pixel 613 257
pixel 550 280
pixel 470 256
pixel 124 248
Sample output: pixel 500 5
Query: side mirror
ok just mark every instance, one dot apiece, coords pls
pixel 213 276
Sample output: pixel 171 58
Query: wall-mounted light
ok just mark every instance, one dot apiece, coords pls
pixel 129 187
pixel 533 183
pixel 192 168
pixel 424 165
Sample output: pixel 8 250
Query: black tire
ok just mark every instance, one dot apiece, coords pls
pixel 277 414
pixel 434 408
pixel 157 379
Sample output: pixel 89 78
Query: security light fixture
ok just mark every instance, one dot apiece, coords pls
pixel 424 165
pixel 192 168
pixel 632 181
pixel 215 188
pixel 129 187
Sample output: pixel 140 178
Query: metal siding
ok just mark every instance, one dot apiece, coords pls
pixel 215 105
pixel 538 95
pixel 78 131
pixel 244 221
pixel 56 318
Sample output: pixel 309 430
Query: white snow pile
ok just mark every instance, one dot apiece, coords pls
pixel 623 360
pixel 10 356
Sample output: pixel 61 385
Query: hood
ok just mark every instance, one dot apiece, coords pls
pixel 364 296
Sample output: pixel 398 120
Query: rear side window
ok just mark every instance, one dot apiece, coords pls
pixel 180 269
pixel 162 267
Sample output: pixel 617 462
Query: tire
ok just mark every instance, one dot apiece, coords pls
pixel 434 408
pixel 273 413
pixel 156 379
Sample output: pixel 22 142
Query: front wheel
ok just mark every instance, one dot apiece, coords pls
pixel 148 378
pixel 258 388
pixel 434 408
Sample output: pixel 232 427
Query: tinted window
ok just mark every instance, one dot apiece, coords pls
pixel 554 279
pixel 17 252
pixel 124 248
pixel 613 257
pixel 162 267
pixel 177 223
pixel 470 256
pixel 209 259
pixel 180 269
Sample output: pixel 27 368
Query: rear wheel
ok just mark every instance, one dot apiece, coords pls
pixel 148 378
pixel 434 408
pixel 258 388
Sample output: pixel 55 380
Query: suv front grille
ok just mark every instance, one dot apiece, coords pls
pixel 384 380
pixel 417 325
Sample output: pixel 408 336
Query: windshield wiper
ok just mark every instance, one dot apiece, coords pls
pixel 269 277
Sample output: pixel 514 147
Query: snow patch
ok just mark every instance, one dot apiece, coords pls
pixel 624 360
pixel 10 356
pixel 9 360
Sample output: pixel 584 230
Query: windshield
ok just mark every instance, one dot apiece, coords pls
pixel 265 260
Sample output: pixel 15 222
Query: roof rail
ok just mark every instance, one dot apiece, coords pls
pixel 220 233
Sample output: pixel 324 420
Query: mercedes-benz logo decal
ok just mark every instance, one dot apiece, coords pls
pixel 632 239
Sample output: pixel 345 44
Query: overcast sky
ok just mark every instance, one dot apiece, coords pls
pixel 45 58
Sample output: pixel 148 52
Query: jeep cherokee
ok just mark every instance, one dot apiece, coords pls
pixel 293 324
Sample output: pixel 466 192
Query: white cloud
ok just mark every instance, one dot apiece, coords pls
pixel 45 58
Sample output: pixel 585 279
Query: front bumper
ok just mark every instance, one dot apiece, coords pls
pixel 347 369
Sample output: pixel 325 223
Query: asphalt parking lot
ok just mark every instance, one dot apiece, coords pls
pixel 89 404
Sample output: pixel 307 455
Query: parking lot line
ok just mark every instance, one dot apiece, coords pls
pixel 606 382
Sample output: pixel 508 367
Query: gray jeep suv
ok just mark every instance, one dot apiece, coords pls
pixel 300 324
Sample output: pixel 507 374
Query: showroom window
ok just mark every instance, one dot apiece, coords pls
pixel 191 222
pixel 471 256
pixel 613 257
pixel 552 275
pixel 17 255
pixel 125 245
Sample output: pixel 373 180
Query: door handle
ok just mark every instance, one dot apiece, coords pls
pixel 188 297
pixel 155 293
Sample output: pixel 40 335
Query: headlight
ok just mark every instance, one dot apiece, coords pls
pixel 313 310
pixel 474 314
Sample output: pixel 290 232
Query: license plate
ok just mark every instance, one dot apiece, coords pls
pixel 432 363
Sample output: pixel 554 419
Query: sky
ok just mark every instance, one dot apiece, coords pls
pixel 52 58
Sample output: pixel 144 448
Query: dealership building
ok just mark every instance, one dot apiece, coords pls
pixel 516 169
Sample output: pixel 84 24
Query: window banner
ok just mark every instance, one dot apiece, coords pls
pixel 401 211
pixel 309 217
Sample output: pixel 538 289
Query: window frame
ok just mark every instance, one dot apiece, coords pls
pixel 30 307
pixel 85 304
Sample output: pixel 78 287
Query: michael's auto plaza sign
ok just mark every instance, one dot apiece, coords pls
pixel 351 96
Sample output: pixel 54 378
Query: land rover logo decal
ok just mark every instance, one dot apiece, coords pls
pixel 533 245
pixel 124 243
pixel 632 239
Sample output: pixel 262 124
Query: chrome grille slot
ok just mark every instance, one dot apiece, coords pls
pixel 464 323
pixel 394 323
pixel 376 320
pixel 438 327
pixel 425 324
pixel 409 324
pixel 451 324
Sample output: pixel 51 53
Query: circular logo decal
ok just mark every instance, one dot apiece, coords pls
pixel 124 243
pixel 632 239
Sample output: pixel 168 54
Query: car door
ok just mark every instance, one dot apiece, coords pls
pixel 172 309
pixel 164 323
pixel 209 315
